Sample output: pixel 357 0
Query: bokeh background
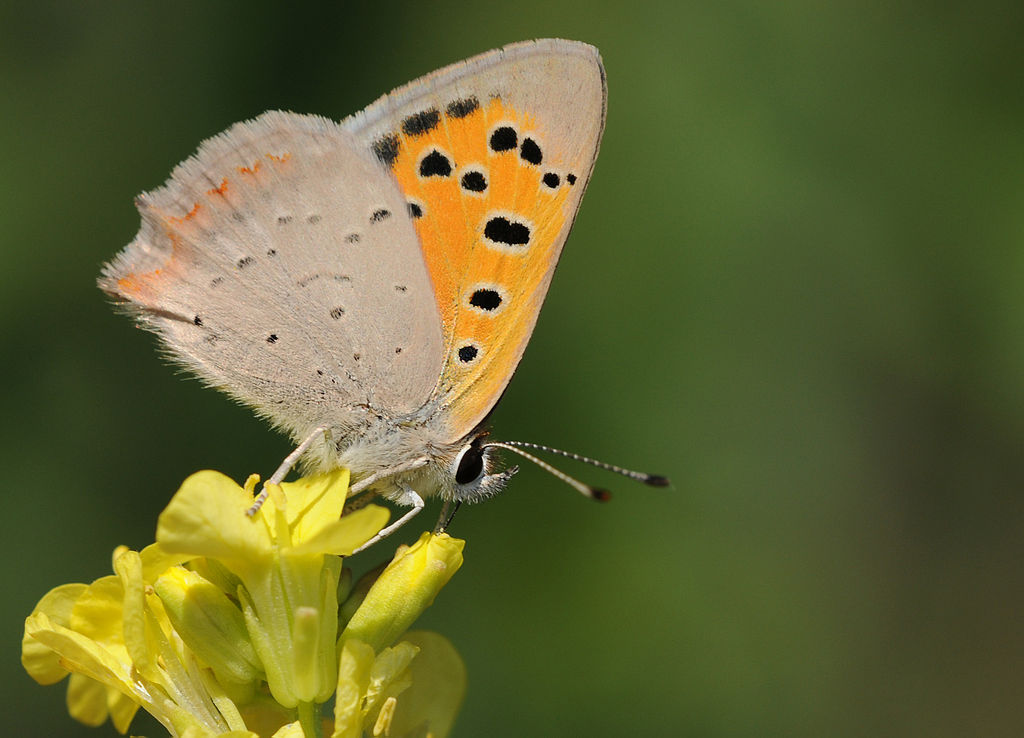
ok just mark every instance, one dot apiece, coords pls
pixel 796 286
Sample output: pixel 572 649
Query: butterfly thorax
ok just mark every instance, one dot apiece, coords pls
pixel 413 451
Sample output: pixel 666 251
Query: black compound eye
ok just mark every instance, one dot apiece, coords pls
pixel 470 465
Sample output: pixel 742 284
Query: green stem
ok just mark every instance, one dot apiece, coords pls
pixel 309 719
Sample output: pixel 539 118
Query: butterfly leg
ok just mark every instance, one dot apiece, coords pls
pixel 285 467
pixel 409 497
pixel 448 510
pixel 363 484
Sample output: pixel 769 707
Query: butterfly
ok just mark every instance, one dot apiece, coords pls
pixel 370 286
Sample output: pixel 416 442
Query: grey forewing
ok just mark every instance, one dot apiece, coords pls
pixel 280 264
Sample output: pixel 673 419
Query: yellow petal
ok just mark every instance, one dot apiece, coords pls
pixel 41 663
pixel 122 710
pixel 430 705
pixel 353 679
pixel 314 502
pixel 87 700
pixel 343 536
pixel 141 649
pixel 97 613
pixel 206 517
pixel 156 560
pixel 389 677
pixel 291 730
pixel 83 655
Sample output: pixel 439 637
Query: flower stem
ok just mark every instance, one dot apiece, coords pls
pixel 309 719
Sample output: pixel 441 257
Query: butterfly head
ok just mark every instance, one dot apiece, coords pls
pixel 473 471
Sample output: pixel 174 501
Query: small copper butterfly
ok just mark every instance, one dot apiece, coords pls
pixel 370 286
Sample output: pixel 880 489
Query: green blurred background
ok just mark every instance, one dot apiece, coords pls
pixel 796 286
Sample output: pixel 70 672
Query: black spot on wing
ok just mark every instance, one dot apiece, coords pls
pixel 474 181
pixel 462 108
pixel 415 210
pixel 467 353
pixel 419 123
pixel 570 178
pixel 530 152
pixel 272 338
pixel 379 215
pixel 485 299
pixel 435 164
pixel 504 138
pixel 550 179
pixel 246 261
pixel 508 232
pixel 386 149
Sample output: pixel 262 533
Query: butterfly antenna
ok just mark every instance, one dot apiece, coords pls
pixel 601 495
pixel 654 480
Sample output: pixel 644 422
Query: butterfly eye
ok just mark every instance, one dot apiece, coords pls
pixel 469 464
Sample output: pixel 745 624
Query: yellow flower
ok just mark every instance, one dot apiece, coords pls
pixel 287 558
pixel 228 625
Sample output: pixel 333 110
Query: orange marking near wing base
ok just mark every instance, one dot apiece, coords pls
pixel 180 230
pixel 220 189
pixel 187 216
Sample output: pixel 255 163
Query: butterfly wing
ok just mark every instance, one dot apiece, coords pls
pixel 493 155
pixel 280 264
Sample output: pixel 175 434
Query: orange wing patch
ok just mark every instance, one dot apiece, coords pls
pixel 489 202
pixel 179 231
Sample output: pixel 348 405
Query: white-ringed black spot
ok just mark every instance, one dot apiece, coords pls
pixel 570 178
pixel 313 219
pixel 435 164
pixel 485 299
pixel 284 219
pixel 419 123
pixel 272 338
pixel 462 108
pixel 550 179
pixel 337 312
pixel 530 152
pixel 197 320
pixel 504 138
pixel 386 149
pixel 245 261
pixel 379 215
pixel 352 238
pixel 501 230
pixel 468 353
pixel 415 209
pixel 474 181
